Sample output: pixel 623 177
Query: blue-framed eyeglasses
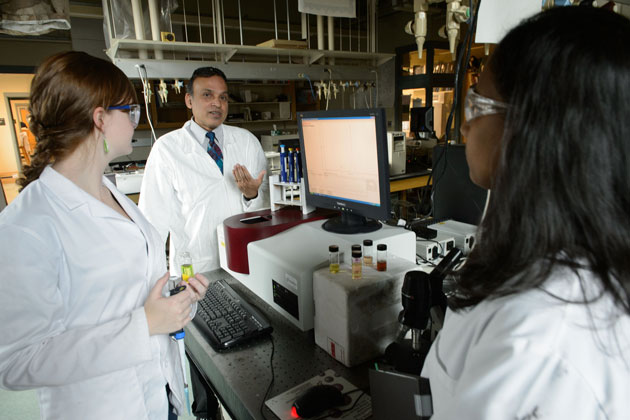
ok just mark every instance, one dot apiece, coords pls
pixel 477 105
pixel 134 112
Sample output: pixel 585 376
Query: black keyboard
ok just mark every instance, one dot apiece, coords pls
pixel 226 319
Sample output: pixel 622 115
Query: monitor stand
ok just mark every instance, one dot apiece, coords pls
pixel 351 223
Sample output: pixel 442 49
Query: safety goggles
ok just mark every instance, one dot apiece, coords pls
pixel 477 105
pixel 134 112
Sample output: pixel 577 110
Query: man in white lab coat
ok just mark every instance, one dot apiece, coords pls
pixel 201 174
pixel 195 178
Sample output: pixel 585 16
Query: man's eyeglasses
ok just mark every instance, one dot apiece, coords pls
pixel 477 105
pixel 134 112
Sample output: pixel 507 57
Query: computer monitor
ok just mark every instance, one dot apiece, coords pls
pixel 455 196
pixel 345 166
pixel 421 120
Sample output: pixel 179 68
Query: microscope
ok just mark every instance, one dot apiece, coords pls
pixel 424 306
pixel 396 384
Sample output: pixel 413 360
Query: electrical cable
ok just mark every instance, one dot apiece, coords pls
pixel 329 84
pixel 375 87
pixel 327 415
pixel 145 93
pixel 304 75
pixel 467 44
pixel 424 260
pixel 464 49
pixel 273 377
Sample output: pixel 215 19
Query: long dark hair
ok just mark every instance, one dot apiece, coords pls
pixel 64 93
pixel 561 191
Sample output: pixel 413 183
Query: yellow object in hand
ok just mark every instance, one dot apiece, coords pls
pixel 187 268
pixel 187 272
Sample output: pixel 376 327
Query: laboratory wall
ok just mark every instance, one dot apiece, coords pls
pixel 28 53
pixel 10 85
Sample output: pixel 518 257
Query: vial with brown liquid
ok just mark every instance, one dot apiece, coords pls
pixel 381 257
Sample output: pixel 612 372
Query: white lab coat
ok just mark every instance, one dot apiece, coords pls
pixel 531 356
pixel 183 191
pixel 75 276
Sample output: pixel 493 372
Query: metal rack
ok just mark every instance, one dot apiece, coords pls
pixel 164 59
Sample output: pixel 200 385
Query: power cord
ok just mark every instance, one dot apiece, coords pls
pixel 273 377
pixel 304 75
pixel 145 93
pixel 329 85
pixel 425 261
pixel 327 415
pixel 464 50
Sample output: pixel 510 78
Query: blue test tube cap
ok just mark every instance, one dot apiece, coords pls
pixel 178 335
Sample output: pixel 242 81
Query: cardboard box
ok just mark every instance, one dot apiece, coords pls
pixel 283 43
pixel 355 320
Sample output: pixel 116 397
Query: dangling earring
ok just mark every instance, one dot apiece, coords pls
pixel 105 146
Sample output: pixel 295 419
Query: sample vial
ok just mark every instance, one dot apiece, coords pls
pixel 381 257
pixel 368 252
pixel 356 265
pixel 356 247
pixel 187 269
pixel 333 258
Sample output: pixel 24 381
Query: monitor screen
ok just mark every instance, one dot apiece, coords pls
pixel 421 120
pixel 455 196
pixel 346 167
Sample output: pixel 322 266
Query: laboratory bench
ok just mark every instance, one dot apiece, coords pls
pixel 409 181
pixel 240 376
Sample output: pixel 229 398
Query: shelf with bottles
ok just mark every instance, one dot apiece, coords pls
pixel 252 112
pixel 261 101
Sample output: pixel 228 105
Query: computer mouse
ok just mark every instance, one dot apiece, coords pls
pixel 316 400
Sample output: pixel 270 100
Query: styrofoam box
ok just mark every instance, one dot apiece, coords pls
pixel 355 320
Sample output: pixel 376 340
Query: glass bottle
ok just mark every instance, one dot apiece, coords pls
pixel 381 257
pixel 333 258
pixel 356 265
pixel 368 253
pixel 187 269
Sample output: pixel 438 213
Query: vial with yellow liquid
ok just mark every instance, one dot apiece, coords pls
pixel 367 252
pixel 333 258
pixel 356 265
pixel 187 269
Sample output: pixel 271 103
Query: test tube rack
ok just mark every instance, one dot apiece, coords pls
pixel 287 194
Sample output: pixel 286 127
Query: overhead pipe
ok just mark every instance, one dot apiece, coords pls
pixel 275 18
pixel 240 22
pixel 155 26
pixel 288 23
pixel 331 35
pixel 218 23
pixel 320 32
pixel 331 40
pixel 373 26
pixel 138 24
pixel 223 38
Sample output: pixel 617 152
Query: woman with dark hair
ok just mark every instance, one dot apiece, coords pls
pixel 539 319
pixel 83 315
